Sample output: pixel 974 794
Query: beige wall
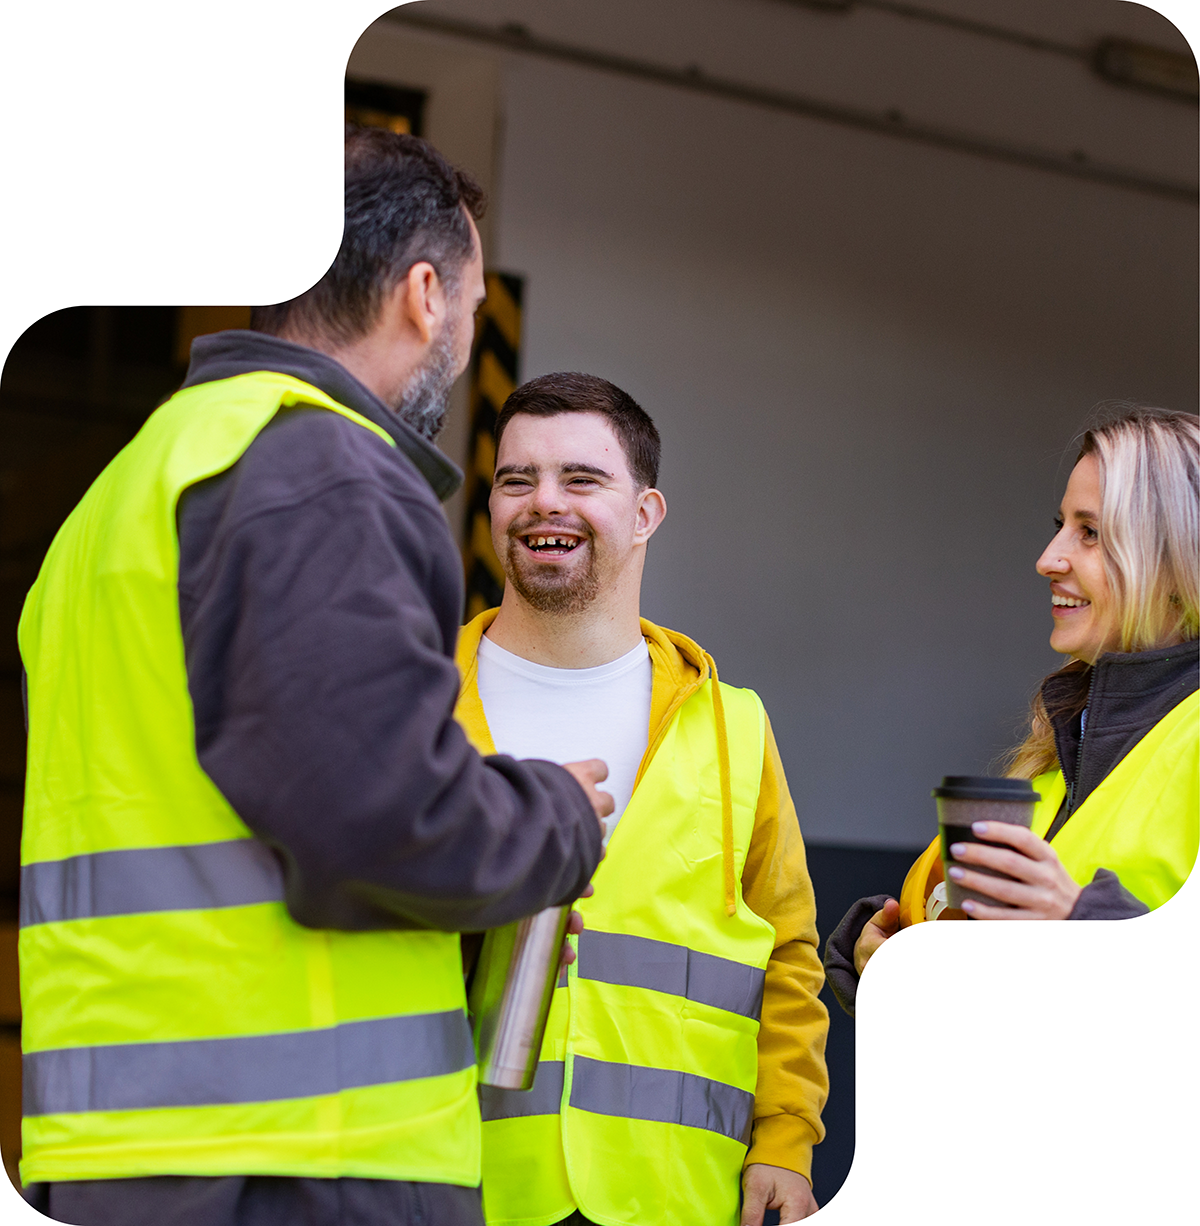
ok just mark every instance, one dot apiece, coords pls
pixel 866 356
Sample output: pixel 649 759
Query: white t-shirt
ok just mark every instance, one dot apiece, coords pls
pixel 571 714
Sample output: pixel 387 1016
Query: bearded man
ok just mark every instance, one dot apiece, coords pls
pixel 684 1053
pixel 253 830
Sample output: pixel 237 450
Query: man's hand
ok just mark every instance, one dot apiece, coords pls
pixel 587 775
pixel 878 928
pixel 574 928
pixel 773 1187
pixel 1042 889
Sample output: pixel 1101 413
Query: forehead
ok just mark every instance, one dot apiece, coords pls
pixel 1083 486
pixel 474 266
pixel 565 439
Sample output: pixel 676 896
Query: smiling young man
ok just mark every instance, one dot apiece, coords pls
pixel 685 1049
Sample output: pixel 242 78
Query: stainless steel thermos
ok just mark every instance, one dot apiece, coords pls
pixel 510 996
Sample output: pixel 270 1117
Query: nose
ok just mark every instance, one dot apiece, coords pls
pixel 1053 561
pixel 548 499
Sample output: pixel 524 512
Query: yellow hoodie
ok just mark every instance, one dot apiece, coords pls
pixel 792 1080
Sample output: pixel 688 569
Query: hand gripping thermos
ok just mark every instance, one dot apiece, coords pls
pixel 510 996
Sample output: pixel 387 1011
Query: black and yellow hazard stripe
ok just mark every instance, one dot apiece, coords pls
pixel 493 377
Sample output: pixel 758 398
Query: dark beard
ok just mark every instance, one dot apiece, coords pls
pixel 548 591
pixel 424 402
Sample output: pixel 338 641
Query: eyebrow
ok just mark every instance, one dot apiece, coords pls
pixel 530 470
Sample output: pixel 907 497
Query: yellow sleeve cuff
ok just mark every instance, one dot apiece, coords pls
pixel 783 1140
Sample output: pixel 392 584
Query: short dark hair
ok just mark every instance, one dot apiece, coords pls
pixel 404 203
pixel 569 392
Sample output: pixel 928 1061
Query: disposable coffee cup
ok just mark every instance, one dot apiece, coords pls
pixel 963 800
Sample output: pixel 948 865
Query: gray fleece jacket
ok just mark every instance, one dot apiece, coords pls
pixel 1099 714
pixel 320 594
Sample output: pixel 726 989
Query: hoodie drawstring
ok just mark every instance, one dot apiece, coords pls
pixel 726 789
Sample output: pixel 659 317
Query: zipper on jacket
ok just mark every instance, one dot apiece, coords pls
pixel 1087 706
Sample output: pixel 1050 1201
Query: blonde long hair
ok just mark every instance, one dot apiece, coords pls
pixel 1149 461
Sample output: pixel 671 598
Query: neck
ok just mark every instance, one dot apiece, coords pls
pixel 599 634
pixel 382 370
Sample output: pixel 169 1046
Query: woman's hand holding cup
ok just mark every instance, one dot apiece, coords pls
pixel 1040 889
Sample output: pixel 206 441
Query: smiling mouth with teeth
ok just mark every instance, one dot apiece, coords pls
pixel 1068 602
pixel 551 544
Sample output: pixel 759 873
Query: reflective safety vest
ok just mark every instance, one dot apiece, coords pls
pixel 1141 822
pixel 176 1019
pixel 643 1104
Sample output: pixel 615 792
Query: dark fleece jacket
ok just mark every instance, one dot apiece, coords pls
pixel 320 594
pixel 1126 694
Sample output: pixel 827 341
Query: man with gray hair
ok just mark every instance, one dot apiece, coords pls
pixel 253 829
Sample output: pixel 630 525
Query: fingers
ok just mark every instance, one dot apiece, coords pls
pixel 756 1192
pixel 886 919
pixel 1031 857
pixel 874 933
pixel 1046 892
pixel 1013 892
pixel 587 775
pixel 574 923
pixel 567 956
pixel 1025 841
pixel 1013 863
pixel 981 911
pixel 594 770
pixel 797 1204
pixel 883 924
pixel 588 891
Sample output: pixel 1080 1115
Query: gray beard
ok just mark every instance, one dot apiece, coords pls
pixel 551 592
pixel 424 402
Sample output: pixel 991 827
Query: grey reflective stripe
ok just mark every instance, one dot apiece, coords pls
pixel 138 880
pixel 544 1099
pixel 637 1093
pixel 617 957
pixel 246 1069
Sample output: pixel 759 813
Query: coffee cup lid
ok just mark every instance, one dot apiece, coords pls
pixel 985 787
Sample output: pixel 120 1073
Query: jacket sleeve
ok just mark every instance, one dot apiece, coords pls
pixel 793 1083
pixel 323 692
pixel 840 971
pixel 1105 898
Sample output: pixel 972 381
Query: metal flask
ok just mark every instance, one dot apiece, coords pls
pixel 510 996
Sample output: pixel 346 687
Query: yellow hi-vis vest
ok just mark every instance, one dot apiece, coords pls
pixel 176 1019
pixel 643 1104
pixel 1141 822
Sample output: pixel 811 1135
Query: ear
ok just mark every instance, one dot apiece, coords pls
pixel 651 511
pixel 418 302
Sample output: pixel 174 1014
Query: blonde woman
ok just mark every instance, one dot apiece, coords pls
pixel 1112 743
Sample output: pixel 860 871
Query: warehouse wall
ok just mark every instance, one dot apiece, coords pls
pixel 866 356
